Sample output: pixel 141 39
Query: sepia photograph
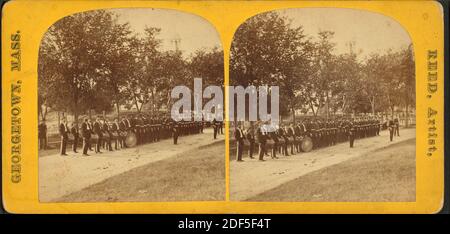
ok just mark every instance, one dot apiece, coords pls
pixel 345 131
pixel 105 93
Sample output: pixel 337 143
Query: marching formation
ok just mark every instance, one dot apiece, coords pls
pixel 128 131
pixel 290 139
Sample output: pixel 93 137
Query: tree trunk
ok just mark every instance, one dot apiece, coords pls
pixel 153 102
pixel 407 116
pixel 75 118
pixel 45 113
pixel 293 115
pixel 118 109
pixel 372 103
pixel 75 103
pixel 136 104
pixel 311 106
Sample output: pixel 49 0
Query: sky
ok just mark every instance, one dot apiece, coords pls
pixel 370 32
pixel 194 31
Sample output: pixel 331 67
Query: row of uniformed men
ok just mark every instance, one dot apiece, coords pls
pixel 285 137
pixel 104 133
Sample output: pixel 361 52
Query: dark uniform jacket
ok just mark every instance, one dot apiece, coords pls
pixel 42 130
pixel 250 135
pixel 105 129
pixel 260 137
pixel 85 132
pixel 273 135
pixel 239 135
pixel 98 129
pixel 74 131
pixel 175 130
pixel 63 130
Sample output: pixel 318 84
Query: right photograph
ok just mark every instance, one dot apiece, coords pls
pixel 344 125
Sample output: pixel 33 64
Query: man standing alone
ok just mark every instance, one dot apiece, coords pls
pixel 239 136
pixel 63 132
pixel 86 134
pixel 42 135
pixel 74 131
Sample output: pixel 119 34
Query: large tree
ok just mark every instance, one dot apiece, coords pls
pixel 74 57
pixel 268 50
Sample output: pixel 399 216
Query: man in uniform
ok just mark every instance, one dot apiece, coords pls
pixel 250 135
pixel 391 127
pixel 273 135
pixel 261 138
pixel 282 135
pixel 175 132
pixel 302 133
pixel 123 127
pixel 74 132
pixel 86 134
pixel 42 135
pixel 107 135
pixel 239 136
pixel 91 130
pixel 126 122
pixel 397 127
pixel 214 125
pixel 98 131
pixel 378 124
pixel 297 133
pixel 139 129
pixel 202 125
pixel 63 132
pixel 291 134
pixel 116 132
pixel 352 133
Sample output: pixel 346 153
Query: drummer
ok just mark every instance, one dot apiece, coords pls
pixel 98 131
pixel 123 128
pixel 282 133
pixel 239 136
pixel 261 138
pixel 250 136
pixel 291 134
pixel 86 134
pixel 298 136
pixel 272 132
pixel 107 135
pixel 115 131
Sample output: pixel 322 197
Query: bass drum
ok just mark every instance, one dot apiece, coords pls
pixel 131 139
pixel 307 144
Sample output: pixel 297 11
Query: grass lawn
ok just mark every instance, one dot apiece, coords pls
pixel 196 175
pixel 386 175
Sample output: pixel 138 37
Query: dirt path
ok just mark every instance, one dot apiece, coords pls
pixel 59 176
pixel 252 177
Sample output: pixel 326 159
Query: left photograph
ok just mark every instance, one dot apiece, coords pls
pixel 106 128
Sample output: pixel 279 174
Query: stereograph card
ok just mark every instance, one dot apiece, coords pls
pixel 222 106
